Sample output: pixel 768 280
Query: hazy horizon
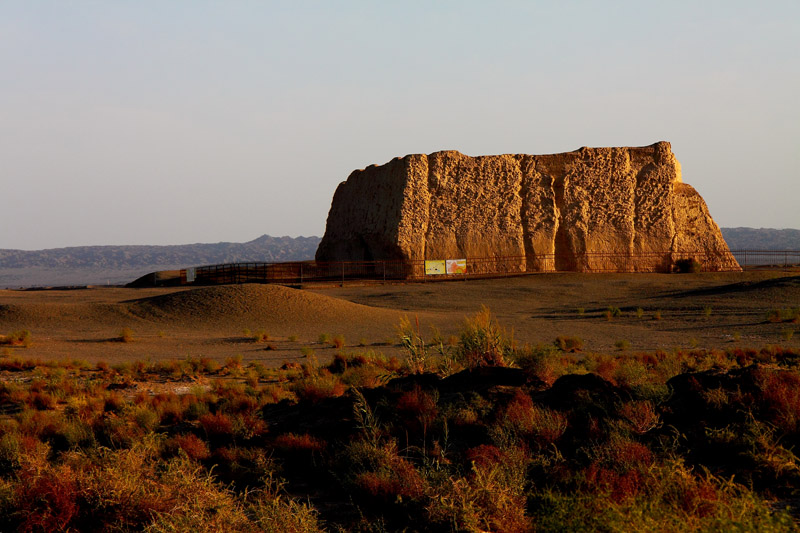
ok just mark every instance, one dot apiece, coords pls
pixel 174 123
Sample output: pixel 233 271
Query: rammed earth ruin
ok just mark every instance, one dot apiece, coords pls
pixel 594 209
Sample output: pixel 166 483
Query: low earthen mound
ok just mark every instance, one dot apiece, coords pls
pixel 262 304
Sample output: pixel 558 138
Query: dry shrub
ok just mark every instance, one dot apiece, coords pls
pixel 605 366
pixel 568 344
pixel 274 512
pixel 623 454
pixel 544 362
pixel 319 388
pixel 295 442
pixel 260 336
pixel 397 478
pixel 483 341
pixel 631 373
pixel 416 350
pixel 697 496
pixel 146 418
pixel 641 416
pixel 688 266
pixel 717 398
pixel 338 342
pixel 377 469
pixel 781 396
pixel 125 335
pixel 217 425
pixel 46 499
pixel 367 376
pixel 418 407
pixel 486 455
pixel 169 408
pixel 233 364
pixel 620 469
pixel 191 500
pixel 620 486
pixel 277 394
pixel 491 498
pixel 193 446
pixel 542 425
pixel 18 338
pixel 41 400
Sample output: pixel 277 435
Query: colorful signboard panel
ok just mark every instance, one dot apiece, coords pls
pixel 456 266
pixel 435 267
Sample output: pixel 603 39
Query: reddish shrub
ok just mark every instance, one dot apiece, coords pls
pixel 170 412
pixel 226 455
pixel 486 455
pixel 113 403
pixel 697 497
pixel 249 425
pixel 625 454
pixel 607 368
pixel 781 396
pixel 243 404
pixel 742 358
pixel 47 500
pixel 419 406
pixel 276 393
pixel 194 447
pixel 41 400
pixel 294 442
pixel 649 359
pixel 619 486
pixel 339 364
pixel 401 479
pixel 545 426
pixel 217 425
pixel 393 364
pixel 641 416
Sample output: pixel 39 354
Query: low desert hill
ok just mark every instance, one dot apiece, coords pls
pixel 101 265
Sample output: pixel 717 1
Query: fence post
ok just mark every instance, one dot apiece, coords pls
pixel 342 273
pixel 384 272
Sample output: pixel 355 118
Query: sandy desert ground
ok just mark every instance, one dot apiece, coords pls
pixel 704 310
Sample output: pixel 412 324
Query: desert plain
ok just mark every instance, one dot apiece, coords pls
pixel 608 312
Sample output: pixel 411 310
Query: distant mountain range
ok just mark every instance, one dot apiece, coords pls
pixel 100 265
pixel 762 238
pixel 114 265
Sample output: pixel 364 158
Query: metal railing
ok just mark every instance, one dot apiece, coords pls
pixel 300 272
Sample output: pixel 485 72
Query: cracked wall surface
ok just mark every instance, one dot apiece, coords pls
pixel 593 209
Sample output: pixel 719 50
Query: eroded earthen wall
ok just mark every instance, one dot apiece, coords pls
pixel 594 209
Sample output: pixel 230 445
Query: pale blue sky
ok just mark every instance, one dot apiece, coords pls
pixel 176 122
